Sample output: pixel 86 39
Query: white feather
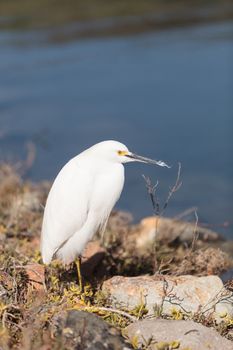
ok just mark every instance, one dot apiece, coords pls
pixel 74 209
pixel 82 197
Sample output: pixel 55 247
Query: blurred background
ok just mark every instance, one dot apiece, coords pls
pixel 153 74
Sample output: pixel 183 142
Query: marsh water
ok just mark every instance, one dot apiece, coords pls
pixel 166 94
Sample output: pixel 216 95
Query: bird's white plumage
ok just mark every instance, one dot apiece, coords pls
pixel 79 203
pixel 82 197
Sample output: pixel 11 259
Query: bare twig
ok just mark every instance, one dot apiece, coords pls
pixel 6 313
pixel 185 213
pixel 170 297
pixel 151 191
pixel 116 311
pixel 195 233
pixel 173 189
pixel 162 265
pixel 223 295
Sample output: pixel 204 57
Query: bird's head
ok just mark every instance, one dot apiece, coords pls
pixel 117 152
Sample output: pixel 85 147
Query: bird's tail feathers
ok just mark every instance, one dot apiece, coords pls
pixel 47 253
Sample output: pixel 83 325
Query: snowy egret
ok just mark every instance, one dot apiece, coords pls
pixel 81 199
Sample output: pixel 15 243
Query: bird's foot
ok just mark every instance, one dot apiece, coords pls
pixel 80 281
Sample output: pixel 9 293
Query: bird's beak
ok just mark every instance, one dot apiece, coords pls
pixel 138 158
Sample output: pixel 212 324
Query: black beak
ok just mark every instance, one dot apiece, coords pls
pixel 147 160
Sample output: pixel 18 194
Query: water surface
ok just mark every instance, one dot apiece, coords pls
pixel 166 94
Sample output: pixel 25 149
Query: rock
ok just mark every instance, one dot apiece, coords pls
pixel 171 294
pixel 160 333
pixel 75 329
pixel 92 248
pixel 36 276
pixel 168 230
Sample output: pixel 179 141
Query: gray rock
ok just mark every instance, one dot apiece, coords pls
pixel 81 330
pixel 182 334
pixel 169 294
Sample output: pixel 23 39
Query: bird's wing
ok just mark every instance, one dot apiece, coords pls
pixel 66 208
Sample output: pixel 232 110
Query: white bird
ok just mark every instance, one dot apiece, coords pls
pixel 82 197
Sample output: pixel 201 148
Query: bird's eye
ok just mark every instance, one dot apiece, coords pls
pixel 121 153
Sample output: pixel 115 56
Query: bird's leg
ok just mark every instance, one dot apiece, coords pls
pixel 78 265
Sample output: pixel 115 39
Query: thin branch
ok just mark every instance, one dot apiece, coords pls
pixel 116 311
pixel 195 233
pixel 185 213
pixel 151 189
pixel 174 189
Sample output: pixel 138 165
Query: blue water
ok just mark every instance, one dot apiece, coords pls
pixel 166 95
